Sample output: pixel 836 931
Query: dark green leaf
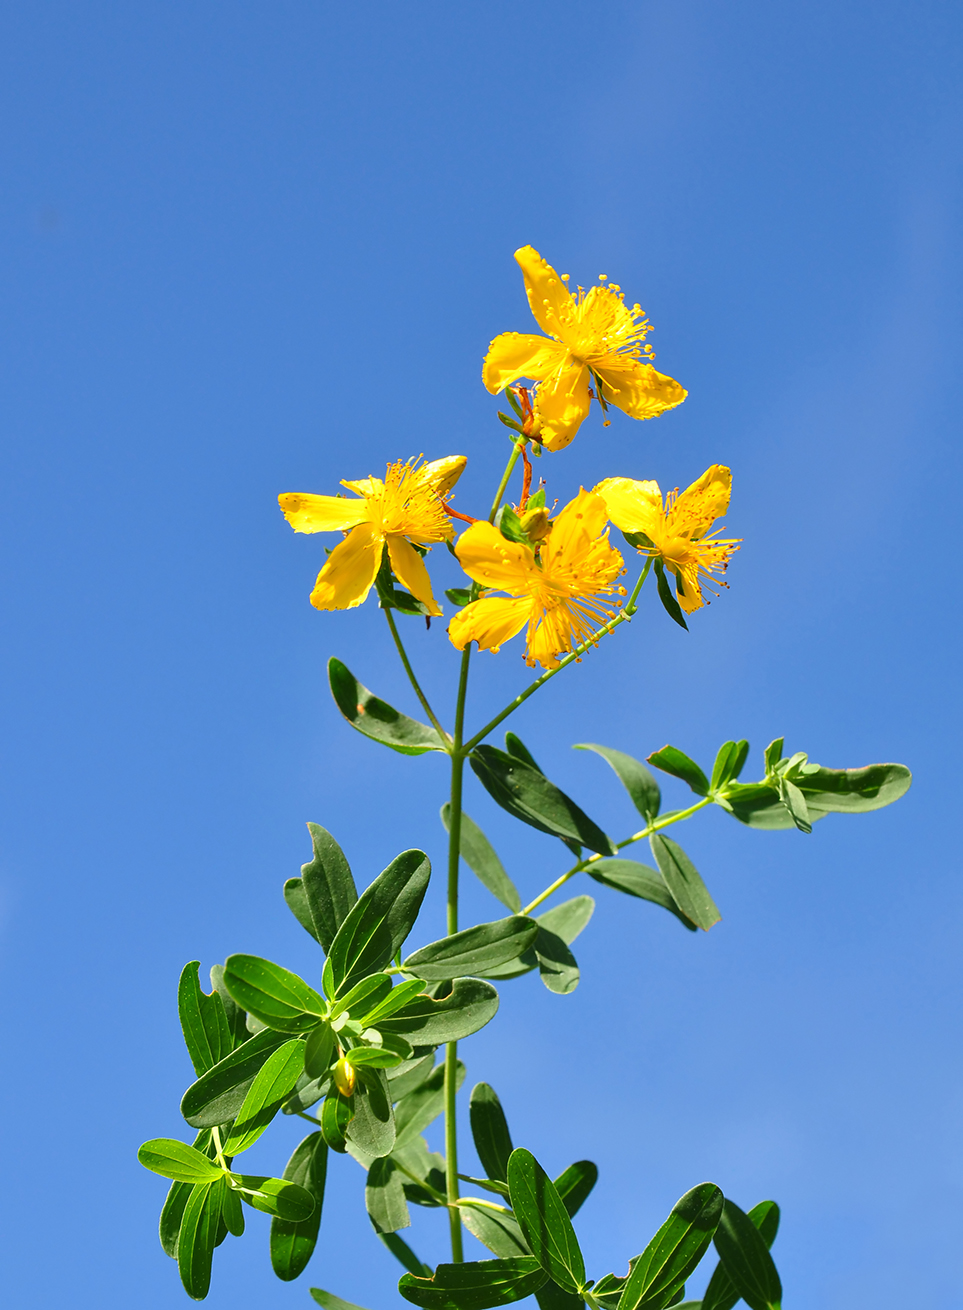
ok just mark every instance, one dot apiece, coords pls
pixel 519 751
pixel 475 950
pixel 426 1022
pixel 376 718
pixel 203 1021
pixel 403 1253
pixel 274 995
pixel 671 760
pixel 459 596
pixel 575 1184
pixel 477 852
pixel 198 1237
pixel 637 780
pixel 396 1000
pixel 544 1221
pixel 372 1126
pixel 275 1197
pixel 495 1229
pixel 425 1165
pixel 321 898
pixel 364 996
pixel 747 1257
pixel 218 1094
pixel 171 1216
pixel 528 795
pixel 335 1117
pixel 378 924
pixel 729 763
pixel 568 919
pixel 637 880
pixel 553 1297
pixel 177 1160
pixel 423 1106
pixel 292 1240
pixel 273 1084
pixel 391 597
pixel 676 1249
pixel 688 890
pixel 232 1212
pixel 319 1052
pixel 489 1130
pixel 665 595
pixel 332 1302
pixel 406 1078
pixel 378 1057
pixel 384 1197
pixel 236 1017
pixel 474 1285
pixel 557 927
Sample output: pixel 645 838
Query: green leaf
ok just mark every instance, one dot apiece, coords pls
pixel 236 1017
pixel 332 1302
pixel 795 803
pixel 293 1240
pixel 489 1130
pixel 637 780
pixel 232 1212
pixel 425 1165
pixel 557 928
pixel 528 795
pixel 423 1106
pixel 474 1285
pixel 475 950
pixel 854 791
pixel 671 760
pixel 177 1160
pixel 544 1221
pixel 519 751
pixel 364 996
pixel 218 1094
pixel 198 1237
pixel 459 596
pixel 403 1253
pixel 372 1126
pixel 730 759
pixel 568 919
pixel 203 1021
pixel 688 890
pixel 384 1197
pixel 376 718
pixel 495 1229
pixel 426 1022
pixel 171 1216
pixel 665 595
pixel 476 850
pixel 319 1052
pixel 275 1197
pixel 676 1249
pixel 553 1297
pixel 637 880
pixel 377 1057
pixel 272 1085
pixel 396 1000
pixel 335 1117
pixel 404 1080
pixel 374 930
pixel 722 1293
pixel 274 995
pixel 321 898
pixel 575 1184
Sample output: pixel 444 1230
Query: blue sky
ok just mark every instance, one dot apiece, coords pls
pixel 250 249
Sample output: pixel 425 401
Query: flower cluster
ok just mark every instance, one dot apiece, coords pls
pixel 558 576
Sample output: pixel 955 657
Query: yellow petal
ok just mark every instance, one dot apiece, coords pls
pixel 409 569
pixel 490 559
pixel 561 403
pixel 370 487
pixel 308 513
pixel 550 638
pixel 632 506
pixel 636 388
pixel 516 355
pixel 549 298
pixel 442 474
pixel 586 514
pixel 352 566
pixel 489 621
pixel 701 504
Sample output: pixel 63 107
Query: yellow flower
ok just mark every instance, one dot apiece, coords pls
pixel 408 506
pixel 594 332
pixel 678 529
pixel 555 593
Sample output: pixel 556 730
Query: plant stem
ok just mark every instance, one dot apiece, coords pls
pixel 413 680
pixel 655 826
pixel 512 461
pixel 623 616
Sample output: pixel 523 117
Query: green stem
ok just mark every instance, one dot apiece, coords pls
pixel 421 1182
pixel 413 680
pixel 624 616
pixel 512 461
pixel 655 826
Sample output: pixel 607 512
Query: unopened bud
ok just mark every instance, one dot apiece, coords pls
pixel 344 1077
pixel 535 523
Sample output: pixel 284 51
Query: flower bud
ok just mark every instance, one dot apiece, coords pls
pixel 535 523
pixel 344 1077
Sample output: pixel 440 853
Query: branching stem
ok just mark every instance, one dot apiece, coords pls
pixel 412 679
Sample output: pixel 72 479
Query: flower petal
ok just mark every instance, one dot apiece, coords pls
pixel 308 513
pixel 442 474
pixel 701 504
pixel 490 559
pixel 516 355
pixel 489 621
pixel 549 298
pixel 370 487
pixel 636 388
pixel 561 403
pixel 409 569
pixel 352 566
pixel 633 506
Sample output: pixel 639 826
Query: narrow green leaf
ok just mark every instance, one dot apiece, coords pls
pixel 396 1000
pixel 682 878
pixel 638 880
pixel 730 759
pixel 236 1017
pixel 477 852
pixel 669 602
pixel 232 1212
pixel 319 1052
pixel 721 1294
pixel 274 995
pixel 272 1085
pixel 795 803
pixel 275 1197
pixel 475 950
pixel 671 760
pixel 489 1130
pixel 544 1221
pixel 363 996
pixel 423 1106
pixel 744 1253
pixel 854 791
pixel 426 1022
pixel 575 1184
pixel 404 1080
pixel 372 1126
pixel 403 1253
pixel 293 1241
pixel 384 1197
pixel 428 1166
pixel 676 1249
pixel 177 1160
pixel 517 748
pixel 198 1237
pixel 376 1057
pixel 218 1094
pixel 203 1021
pixel 335 1117
pixel 321 898
pixel 377 719
pixel 171 1216
pixel 475 1285
pixel 332 1302
pixel 553 1297
pixel 527 794
pixel 495 1229
pixel 459 596
pixel 637 780
pixel 378 924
